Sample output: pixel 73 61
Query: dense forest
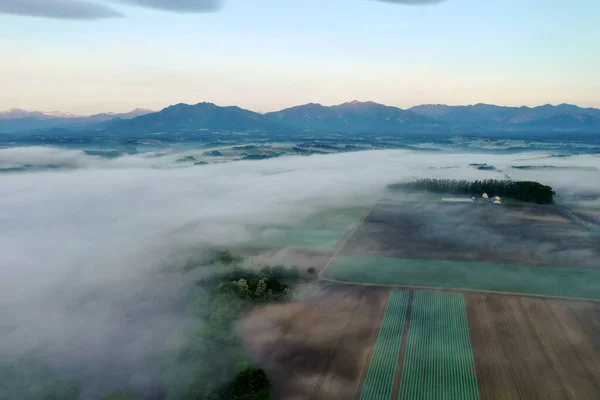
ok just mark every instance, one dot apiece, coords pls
pixel 211 363
pixel 532 192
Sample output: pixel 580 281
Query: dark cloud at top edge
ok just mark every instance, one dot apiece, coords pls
pixel 215 5
pixel 412 2
pixel 58 9
pixel 182 6
pixel 93 10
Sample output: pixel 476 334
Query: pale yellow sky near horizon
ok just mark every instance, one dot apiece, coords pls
pixel 265 59
pixel 89 86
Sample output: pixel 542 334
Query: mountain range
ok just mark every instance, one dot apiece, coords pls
pixel 547 117
pixel 16 119
pixel 348 118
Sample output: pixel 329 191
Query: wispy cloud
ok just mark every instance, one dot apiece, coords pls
pixel 99 9
pixel 412 2
pixel 58 9
pixel 183 6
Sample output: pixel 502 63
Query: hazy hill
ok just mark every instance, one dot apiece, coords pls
pixel 486 116
pixel 198 117
pixel 15 119
pixel 348 118
pixel 353 117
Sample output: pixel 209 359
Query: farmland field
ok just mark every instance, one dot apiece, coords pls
pixel 342 344
pixel 591 216
pixel 439 362
pixel 533 235
pixel 434 336
pixel 521 279
pixel 532 349
pixel 342 379
pixel 379 381
pixel 295 238
pixel 340 219
pixel 588 315
pixel 317 232
pixel 318 348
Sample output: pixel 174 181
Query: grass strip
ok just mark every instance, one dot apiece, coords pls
pixel 509 278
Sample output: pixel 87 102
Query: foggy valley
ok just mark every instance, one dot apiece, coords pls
pixel 93 278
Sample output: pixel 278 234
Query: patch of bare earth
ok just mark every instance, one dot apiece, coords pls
pixel 528 348
pixel 318 348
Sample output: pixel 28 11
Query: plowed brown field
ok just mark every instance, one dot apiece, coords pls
pixel 531 349
pixel 317 349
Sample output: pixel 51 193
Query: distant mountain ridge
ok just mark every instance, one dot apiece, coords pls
pixel 352 117
pixel 347 118
pixel 487 116
pixel 17 113
pixel 16 119
pixel 202 116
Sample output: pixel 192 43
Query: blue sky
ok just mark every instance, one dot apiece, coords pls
pixel 270 54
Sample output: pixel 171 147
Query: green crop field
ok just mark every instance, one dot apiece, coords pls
pixel 338 219
pixel 439 362
pixel 520 279
pixel 317 232
pixel 295 238
pixel 379 380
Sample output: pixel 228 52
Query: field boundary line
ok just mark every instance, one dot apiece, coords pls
pixel 343 240
pixel 484 291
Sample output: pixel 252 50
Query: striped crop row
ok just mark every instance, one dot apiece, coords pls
pixel 379 380
pixel 439 362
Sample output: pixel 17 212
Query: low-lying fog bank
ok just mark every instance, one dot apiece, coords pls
pixel 85 252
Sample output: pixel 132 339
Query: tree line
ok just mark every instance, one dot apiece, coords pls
pixel 528 191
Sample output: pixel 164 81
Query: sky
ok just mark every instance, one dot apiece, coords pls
pixel 264 55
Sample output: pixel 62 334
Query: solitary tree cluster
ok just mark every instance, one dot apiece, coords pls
pixel 228 296
pixel 528 191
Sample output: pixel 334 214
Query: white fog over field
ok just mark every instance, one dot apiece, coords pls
pixel 83 249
